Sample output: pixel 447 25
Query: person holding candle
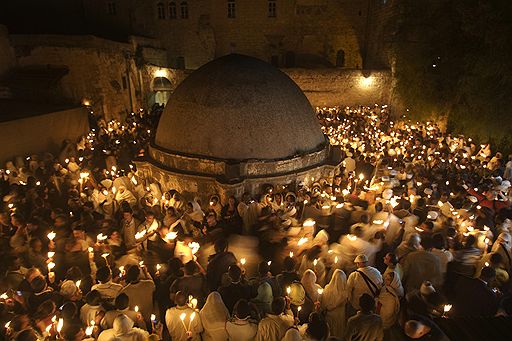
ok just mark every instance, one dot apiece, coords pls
pixel 105 286
pixel 236 289
pixel 288 275
pixel 241 327
pixel 177 320
pixel 264 275
pixel 122 306
pixel 192 283
pixel 140 290
pixel 218 264
pixel 274 325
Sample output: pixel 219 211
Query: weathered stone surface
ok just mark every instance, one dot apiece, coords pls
pixel 237 108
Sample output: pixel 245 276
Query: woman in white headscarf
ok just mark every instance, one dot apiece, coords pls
pixel 214 316
pixel 292 334
pixel 123 194
pixel 264 298
pixel 333 301
pixel 123 330
pixel 308 281
pixel 388 302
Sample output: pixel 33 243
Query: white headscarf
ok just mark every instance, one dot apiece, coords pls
pixel 214 313
pixel 123 194
pixel 309 283
pixel 322 237
pixel 122 325
pixel 335 293
pixel 396 285
pixel 292 335
pixel 197 213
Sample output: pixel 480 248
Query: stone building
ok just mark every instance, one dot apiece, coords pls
pixel 232 126
pixel 286 33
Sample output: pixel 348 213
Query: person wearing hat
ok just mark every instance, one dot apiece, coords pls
pixel 422 328
pixel 365 280
pixel 423 300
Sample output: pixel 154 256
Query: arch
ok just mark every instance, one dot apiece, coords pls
pixel 173 11
pixel 161 84
pixel 184 10
pixel 340 58
pixel 289 59
pixel 160 9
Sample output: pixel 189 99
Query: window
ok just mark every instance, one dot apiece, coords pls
pixel 340 58
pixel 184 10
pixel 272 8
pixel 231 9
pixel 111 8
pixel 160 10
pixel 172 11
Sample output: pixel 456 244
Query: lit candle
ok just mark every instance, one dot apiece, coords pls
pixel 242 261
pixel 191 318
pixel 51 235
pixel 182 318
pixel 288 290
pixel 291 254
pixel 136 309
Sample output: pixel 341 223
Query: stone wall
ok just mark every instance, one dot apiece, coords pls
pixel 99 71
pixel 7 59
pixel 331 87
pixel 47 130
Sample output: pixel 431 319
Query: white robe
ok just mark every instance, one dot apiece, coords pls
pixel 334 301
pixel 214 316
pixel 177 330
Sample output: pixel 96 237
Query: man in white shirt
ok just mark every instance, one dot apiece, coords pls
pixel 274 325
pixel 365 280
pixel 183 322
pixel 140 291
pixel 107 289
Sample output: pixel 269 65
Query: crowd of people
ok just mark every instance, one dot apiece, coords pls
pixel 414 222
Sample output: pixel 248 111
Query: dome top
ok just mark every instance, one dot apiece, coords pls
pixel 238 108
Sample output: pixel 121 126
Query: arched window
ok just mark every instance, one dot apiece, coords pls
pixel 160 10
pixel 340 58
pixel 272 8
pixel 173 13
pixel 231 9
pixel 184 10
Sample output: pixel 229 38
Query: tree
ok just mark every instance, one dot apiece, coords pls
pixel 454 57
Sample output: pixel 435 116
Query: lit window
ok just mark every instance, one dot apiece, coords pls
pixel 160 10
pixel 272 9
pixel 184 10
pixel 172 11
pixel 231 9
pixel 111 8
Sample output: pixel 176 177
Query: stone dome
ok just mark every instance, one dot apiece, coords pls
pixel 238 108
